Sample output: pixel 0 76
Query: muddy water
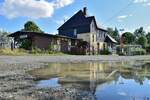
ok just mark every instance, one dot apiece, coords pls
pixel 106 81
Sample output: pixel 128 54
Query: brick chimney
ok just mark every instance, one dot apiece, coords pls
pixel 85 11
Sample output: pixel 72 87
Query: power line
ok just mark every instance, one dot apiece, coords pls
pixel 115 15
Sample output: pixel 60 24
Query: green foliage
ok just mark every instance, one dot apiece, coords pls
pixel 139 32
pixel 30 26
pixel 38 51
pixel 15 52
pixel 148 38
pixel 114 33
pixel 142 41
pixel 53 47
pixel 105 52
pixel 128 38
pixel 129 50
pixel 139 52
pixel 25 44
pixel 148 49
pixel 110 30
pixel 3 36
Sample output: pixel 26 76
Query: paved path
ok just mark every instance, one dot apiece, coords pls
pixel 69 58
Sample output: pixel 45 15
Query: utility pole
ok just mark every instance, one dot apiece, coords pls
pixel 121 41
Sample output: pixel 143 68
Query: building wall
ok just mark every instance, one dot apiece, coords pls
pixel 55 44
pixel 84 36
pixel 72 32
pixel 91 38
pixel 41 42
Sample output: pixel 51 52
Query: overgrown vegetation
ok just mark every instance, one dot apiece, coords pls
pixel 38 51
pixel 15 52
pixel 30 26
pixel 105 52
pixel 35 51
pixel 138 37
pixel 4 40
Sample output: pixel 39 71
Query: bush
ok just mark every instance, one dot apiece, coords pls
pixel 36 51
pixel 105 52
pixel 8 51
pixel 139 52
pixel 44 51
pixel 148 49
pixel 121 54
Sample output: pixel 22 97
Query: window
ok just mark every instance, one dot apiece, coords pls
pixel 93 37
pixel 75 32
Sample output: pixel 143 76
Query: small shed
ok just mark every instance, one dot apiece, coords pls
pixel 45 41
pixel 111 43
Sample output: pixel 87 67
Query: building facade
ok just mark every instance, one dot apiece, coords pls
pixel 82 26
pixel 46 41
pixel 79 35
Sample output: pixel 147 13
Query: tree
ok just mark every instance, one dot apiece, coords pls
pixel 139 32
pixel 4 39
pixel 110 31
pixel 30 26
pixel 128 37
pixel 148 38
pixel 3 36
pixel 114 33
pixel 142 41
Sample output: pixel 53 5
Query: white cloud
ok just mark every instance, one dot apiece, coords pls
pixel 144 2
pixel 31 8
pixel 123 17
pixel 122 93
pixel 147 4
pixel 148 29
pixel 60 22
pixel 140 1
pixel 62 3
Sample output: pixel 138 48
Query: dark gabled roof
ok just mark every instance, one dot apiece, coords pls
pixel 110 39
pixel 18 33
pixel 79 19
pixel 102 29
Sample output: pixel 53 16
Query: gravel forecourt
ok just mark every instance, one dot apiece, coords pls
pixel 17 84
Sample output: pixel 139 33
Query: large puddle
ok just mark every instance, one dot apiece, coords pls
pixel 107 80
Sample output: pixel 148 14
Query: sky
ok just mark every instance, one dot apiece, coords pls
pixel 50 14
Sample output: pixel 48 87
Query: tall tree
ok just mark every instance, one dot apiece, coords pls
pixel 142 41
pixel 148 38
pixel 128 37
pixel 139 32
pixel 4 39
pixel 30 26
pixel 3 36
pixel 114 33
pixel 110 31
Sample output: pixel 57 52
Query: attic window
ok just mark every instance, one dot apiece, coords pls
pixel 75 32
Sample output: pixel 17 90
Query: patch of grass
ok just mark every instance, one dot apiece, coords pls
pixel 15 52
pixel 22 52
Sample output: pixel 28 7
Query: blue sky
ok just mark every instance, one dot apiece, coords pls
pixel 50 14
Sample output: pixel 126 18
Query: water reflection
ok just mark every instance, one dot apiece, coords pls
pixel 108 81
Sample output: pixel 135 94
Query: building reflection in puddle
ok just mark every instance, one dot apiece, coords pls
pixel 111 78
